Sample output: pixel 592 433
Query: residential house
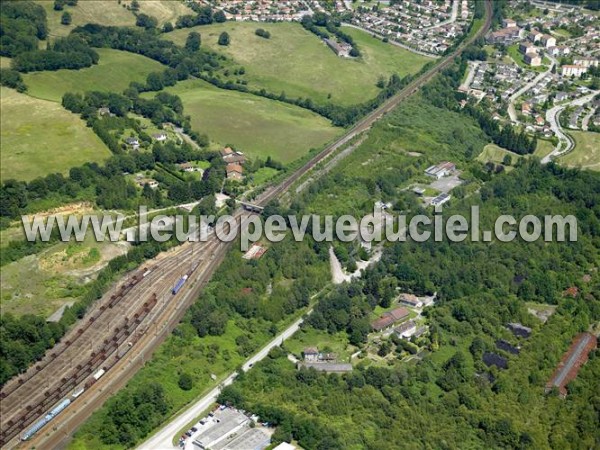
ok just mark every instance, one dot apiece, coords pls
pixel 509 23
pixel 311 354
pixel 548 41
pixel 526 108
pixel 535 36
pixel 561 97
pixel 533 59
pixel 527 48
pixel 160 137
pixel 133 143
pixel 539 120
pixel 234 172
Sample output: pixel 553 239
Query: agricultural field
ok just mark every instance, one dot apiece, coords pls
pixel 39 137
pixel 41 284
pixel 257 126
pixel 295 61
pixel 114 71
pixel 586 153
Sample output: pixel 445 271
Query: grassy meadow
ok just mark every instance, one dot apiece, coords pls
pixel 297 62
pixel 586 153
pixel 39 137
pixel 114 71
pixel 255 125
pixel 40 284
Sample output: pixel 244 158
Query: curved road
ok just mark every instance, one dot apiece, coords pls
pixel 162 440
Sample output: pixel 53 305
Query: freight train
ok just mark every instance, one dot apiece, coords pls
pixel 179 284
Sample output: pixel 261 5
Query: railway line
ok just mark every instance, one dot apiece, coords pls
pixel 131 320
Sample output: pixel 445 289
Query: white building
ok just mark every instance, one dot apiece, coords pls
pixel 572 70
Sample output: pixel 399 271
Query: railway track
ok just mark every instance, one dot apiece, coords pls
pixel 142 303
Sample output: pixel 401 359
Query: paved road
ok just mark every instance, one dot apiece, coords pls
pixel 511 101
pixel 391 41
pixel 452 18
pixel 162 440
pixel 586 120
pixel 565 142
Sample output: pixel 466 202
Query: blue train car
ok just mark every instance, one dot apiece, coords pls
pixel 47 418
pixel 179 284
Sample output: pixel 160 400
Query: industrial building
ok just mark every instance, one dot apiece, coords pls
pixel 571 362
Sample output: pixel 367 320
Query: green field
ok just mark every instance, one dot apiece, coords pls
pixel 114 71
pixel 295 61
pixel 586 153
pixel 495 154
pixel 102 12
pixel 40 137
pixel 543 148
pixel 4 62
pixel 255 125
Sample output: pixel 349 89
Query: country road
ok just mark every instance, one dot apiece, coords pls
pixel 162 440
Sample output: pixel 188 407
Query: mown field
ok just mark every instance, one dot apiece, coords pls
pixel 114 71
pixel 586 153
pixel 295 61
pixel 39 137
pixel 257 126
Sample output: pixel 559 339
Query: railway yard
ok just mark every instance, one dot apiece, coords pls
pixel 103 351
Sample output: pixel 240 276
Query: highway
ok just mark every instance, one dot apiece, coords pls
pixel 141 311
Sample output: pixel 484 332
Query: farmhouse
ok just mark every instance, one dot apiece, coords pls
pixel 340 49
pixel 133 142
pixel 388 319
pixel 160 137
pixel 234 172
pixel 440 170
pixel 406 329
pixel 311 354
pixel 410 300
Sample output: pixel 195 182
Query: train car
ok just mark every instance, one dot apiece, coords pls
pixel 47 418
pixel 99 374
pixel 179 284
pixel 146 273
pixel 77 393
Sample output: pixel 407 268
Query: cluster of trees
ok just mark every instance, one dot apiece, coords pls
pixel 147 43
pixel 65 53
pixel 24 339
pixel 134 415
pixel 261 32
pixel 318 20
pixel 12 79
pixel 506 136
pixel 204 16
pixel 23 26
pixel 59 5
